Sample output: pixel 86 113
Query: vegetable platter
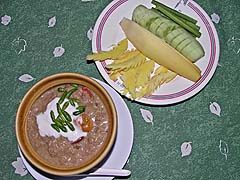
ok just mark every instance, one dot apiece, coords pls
pixel 108 33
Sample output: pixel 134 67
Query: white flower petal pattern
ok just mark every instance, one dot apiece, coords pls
pixel 52 21
pixel 26 78
pixel 19 167
pixel 90 33
pixel 58 51
pixel 215 18
pixel 215 108
pixel 186 148
pixel 5 20
pixel 147 115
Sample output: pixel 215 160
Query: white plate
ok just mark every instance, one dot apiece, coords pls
pixel 122 146
pixel 108 32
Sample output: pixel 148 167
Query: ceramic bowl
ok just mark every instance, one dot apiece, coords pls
pixel 35 92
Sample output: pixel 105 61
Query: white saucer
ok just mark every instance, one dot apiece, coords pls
pixel 123 144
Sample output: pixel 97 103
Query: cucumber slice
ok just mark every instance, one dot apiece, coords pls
pixel 150 21
pixel 196 54
pixel 145 19
pixel 142 15
pixel 165 28
pixel 173 35
pixel 183 44
pixel 155 24
pixel 160 31
pixel 192 51
pixel 180 39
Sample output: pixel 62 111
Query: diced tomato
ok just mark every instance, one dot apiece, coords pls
pixel 87 91
pixel 78 140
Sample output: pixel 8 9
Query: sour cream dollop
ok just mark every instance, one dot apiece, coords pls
pixel 44 122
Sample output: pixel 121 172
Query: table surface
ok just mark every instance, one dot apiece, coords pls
pixel 156 152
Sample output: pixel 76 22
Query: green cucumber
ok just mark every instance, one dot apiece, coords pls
pixel 197 53
pixel 162 30
pixel 192 51
pixel 141 16
pixel 183 44
pixel 169 31
pixel 148 24
pixel 173 35
pixel 175 42
pixel 155 24
pixel 165 28
pixel 188 46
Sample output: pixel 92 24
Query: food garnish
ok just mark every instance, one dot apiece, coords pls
pixel 112 54
pixel 64 119
pixel 87 123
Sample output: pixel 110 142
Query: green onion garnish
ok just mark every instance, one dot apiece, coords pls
pixel 64 119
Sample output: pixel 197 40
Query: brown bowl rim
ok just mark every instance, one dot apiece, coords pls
pixel 51 81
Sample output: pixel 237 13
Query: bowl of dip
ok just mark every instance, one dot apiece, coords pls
pixel 66 124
